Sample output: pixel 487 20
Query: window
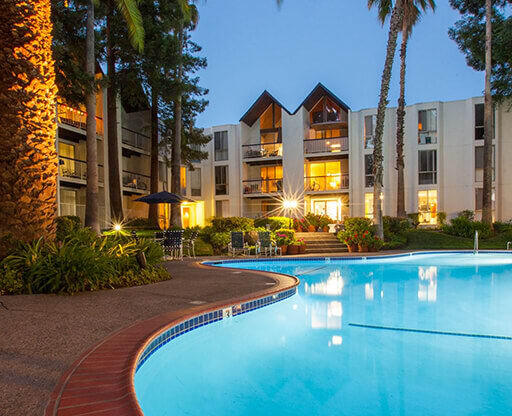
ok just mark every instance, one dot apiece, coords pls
pixel 271 178
pixel 368 171
pixel 479 163
pixel 195 182
pixel 368 205
pixel 479 199
pixel 479 121
pixel 271 118
pixel 369 130
pixel 183 180
pixel 326 176
pixel 221 180
pixel 67 202
pixel 221 145
pixel 427 126
pixel 326 111
pixel 427 207
pixel 427 167
pixel 221 208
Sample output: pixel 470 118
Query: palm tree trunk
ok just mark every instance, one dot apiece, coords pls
pixel 28 159
pixel 153 208
pixel 91 197
pixel 394 28
pixel 176 143
pixel 114 183
pixel 400 116
pixel 488 125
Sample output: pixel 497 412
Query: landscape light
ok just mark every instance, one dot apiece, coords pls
pixel 117 227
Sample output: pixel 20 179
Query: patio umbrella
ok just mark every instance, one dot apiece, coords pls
pixel 164 197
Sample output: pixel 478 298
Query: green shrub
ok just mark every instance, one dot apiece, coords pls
pixel 414 217
pixel 284 236
pixel 220 241
pixel 202 248
pixel 441 218
pixel 467 213
pixel 463 226
pixel 81 261
pixel 358 224
pixel 228 224
pixel 66 225
pixel 502 227
pixel 274 223
pixel 317 221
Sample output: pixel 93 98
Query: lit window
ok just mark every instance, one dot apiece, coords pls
pixel 427 207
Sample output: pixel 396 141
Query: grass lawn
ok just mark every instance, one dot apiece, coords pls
pixel 425 239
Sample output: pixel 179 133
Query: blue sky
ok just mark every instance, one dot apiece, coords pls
pixel 251 46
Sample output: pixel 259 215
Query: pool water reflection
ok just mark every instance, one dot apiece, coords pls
pixel 301 357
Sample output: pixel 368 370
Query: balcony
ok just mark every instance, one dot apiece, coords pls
pixel 334 145
pixel 262 186
pixel 262 150
pixel 76 170
pixel 76 118
pixel 137 182
pixel 135 139
pixel 326 183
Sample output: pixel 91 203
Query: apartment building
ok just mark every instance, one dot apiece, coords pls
pixel 321 155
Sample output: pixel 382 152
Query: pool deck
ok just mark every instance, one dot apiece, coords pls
pixel 54 349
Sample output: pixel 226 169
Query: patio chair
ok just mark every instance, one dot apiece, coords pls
pixel 265 245
pixel 237 244
pixel 190 244
pixel 173 243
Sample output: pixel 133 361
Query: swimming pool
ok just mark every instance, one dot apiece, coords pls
pixel 427 334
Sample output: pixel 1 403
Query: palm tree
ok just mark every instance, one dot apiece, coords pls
pixel 395 25
pixel 28 159
pixel 488 128
pixel 131 14
pixel 411 15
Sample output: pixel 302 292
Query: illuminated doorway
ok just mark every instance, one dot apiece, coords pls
pixel 329 207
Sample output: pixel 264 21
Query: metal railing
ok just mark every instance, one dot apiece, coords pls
pixel 136 181
pixel 262 186
pixel 76 118
pixel 76 169
pixel 135 139
pixel 262 150
pixel 337 144
pixel 326 183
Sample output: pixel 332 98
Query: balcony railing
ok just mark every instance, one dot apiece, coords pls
pixel 76 118
pixel 136 181
pixel 326 183
pixel 136 139
pixel 262 150
pixel 76 169
pixel 335 145
pixel 262 186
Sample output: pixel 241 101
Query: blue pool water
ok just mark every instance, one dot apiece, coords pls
pixel 304 356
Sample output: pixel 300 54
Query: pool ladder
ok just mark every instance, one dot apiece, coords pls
pixel 475 245
pixel 509 243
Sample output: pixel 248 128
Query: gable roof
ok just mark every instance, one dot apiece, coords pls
pixel 259 106
pixel 318 92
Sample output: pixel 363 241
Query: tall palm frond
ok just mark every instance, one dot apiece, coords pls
pixel 130 11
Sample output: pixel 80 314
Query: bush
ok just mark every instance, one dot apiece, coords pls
pixel 202 248
pixel 66 225
pixel 274 223
pixel 441 218
pixel 81 261
pixel 317 221
pixel 228 224
pixel 414 217
pixel 358 224
pixel 502 227
pixel 463 226
pixel 284 237
pixel 220 241
pixel 468 214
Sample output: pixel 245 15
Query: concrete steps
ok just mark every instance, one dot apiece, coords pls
pixel 322 243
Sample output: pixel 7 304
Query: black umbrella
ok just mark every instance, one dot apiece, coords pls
pixel 163 197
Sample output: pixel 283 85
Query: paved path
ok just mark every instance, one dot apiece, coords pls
pixel 42 335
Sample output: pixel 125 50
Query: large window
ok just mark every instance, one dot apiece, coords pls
pixel 221 180
pixel 326 176
pixel 195 182
pixel 221 145
pixel 427 126
pixel 479 121
pixel 368 171
pixel 222 208
pixel 326 111
pixel 369 130
pixel 479 163
pixel 427 167
pixel 427 207
pixel 479 199
pixel 271 178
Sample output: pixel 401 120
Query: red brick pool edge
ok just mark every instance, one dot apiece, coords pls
pixel 100 382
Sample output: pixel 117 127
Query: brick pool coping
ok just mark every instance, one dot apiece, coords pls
pixel 100 381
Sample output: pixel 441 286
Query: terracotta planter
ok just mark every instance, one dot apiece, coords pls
pixel 293 249
pixel 284 249
pixel 352 248
pixel 311 228
pixel 302 248
pixel 326 229
pixel 362 249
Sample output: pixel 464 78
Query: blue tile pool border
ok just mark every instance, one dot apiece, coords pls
pixel 209 318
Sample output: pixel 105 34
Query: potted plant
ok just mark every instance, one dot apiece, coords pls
pixel 293 247
pixel 311 228
pixel 349 239
pixel 375 244
pixel 282 240
pixel 302 245
pixel 364 241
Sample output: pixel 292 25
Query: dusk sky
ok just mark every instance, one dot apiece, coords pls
pixel 252 46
